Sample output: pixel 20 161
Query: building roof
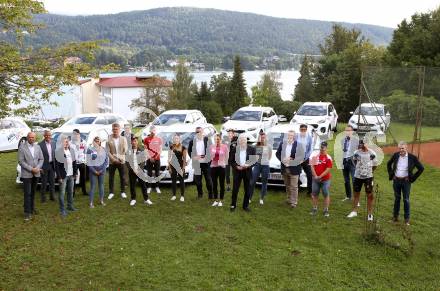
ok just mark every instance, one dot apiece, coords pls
pixel 133 81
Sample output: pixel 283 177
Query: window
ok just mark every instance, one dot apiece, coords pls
pixel 245 115
pixel 7 124
pixel 195 116
pixel 166 119
pixel 111 119
pixel 82 120
pixel 312 110
pixel 101 120
pixel 266 115
pixel 106 91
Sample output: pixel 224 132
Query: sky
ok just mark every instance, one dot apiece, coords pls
pixel 387 13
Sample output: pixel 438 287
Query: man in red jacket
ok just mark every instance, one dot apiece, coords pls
pixel 321 166
pixel 153 146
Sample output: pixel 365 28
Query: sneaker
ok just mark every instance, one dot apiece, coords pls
pixel 250 201
pixel 407 223
pixel 158 190
pixel 370 217
pixel 314 211
pixel 102 202
pixel 215 203
pixel 182 199
pixel 346 199
pixel 91 205
pixel 63 213
pixel 123 195
pixel 27 217
pixel 247 209
pixel 228 188
pixel 72 209
pixel 173 198
pixel 261 202
pixel 148 190
pixel 148 202
pixel 352 214
pixel 359 204
pixel 326 214
pixel 133 202
pixel 110 196
pixel 220 204
pixel 232 209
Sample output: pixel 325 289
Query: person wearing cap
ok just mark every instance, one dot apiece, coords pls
pixel 198 150
pixel 305 140
pixel 263 151
pixel 153 146
pixel 349 145
pixel 80 147
pixel 290 167
pixel 366 162
pixel 321 166
pixel 401 171
pixel 231 142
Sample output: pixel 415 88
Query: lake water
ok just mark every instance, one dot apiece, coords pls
pixel 288 79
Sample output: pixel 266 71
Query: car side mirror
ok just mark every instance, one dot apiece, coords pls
pixel 351 112
pixel 265 118
pixel 226 118
pixel 294 112
pixel 187 121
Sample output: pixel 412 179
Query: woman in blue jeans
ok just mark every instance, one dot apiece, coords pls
pixel 97 161
pixel 263 151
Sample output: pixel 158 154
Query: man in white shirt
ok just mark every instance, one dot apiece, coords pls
pixel 30 159
pixel 48 174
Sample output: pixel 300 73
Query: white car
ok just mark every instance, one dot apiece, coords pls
pixel 321 115
pixel 250 120
pixel 170 117
pixel 373 117
pixel 89 121
pixel 275 136
pixel 13 131
pixel 187 133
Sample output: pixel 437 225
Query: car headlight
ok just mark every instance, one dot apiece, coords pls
pixel 321 121
pixel 252 129
pixel 352 121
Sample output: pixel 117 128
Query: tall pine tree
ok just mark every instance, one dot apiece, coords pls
pixel 240 97
pixel 304 90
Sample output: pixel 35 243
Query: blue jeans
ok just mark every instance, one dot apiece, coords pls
pixel 93 179
pixel 258 170
pixel 318 185
pixel 67 184
pixel 401 187
pixel 348 172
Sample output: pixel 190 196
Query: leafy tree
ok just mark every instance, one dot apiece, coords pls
pixel 220 87
pixel 304 90
pixel 181 92
pixel 267 91
pixel 28 77
pixel 240 97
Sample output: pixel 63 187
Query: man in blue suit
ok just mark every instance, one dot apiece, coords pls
pixel 48 174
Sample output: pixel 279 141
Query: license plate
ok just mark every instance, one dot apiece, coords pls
pixel 275 176
pixel 364 128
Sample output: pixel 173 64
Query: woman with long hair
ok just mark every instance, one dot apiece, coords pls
pixel 177 156
pixel 219 155
pixel 97 161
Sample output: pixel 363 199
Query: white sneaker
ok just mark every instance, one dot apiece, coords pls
pixel 158 190
pixel 132 202
pixel 110 196
pixel 148 190
pixel 261 202
pixel 250 201
pixel 352 214
pixel 220 204
pixel 91 205
pixel 370 217
pixel 148 201
pixel 173 198
pixel 346 199
pixel 215 203
pixel 359 204
pixel 182 199
pixel 123 195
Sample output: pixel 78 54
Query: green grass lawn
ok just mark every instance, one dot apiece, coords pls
pixel 191 245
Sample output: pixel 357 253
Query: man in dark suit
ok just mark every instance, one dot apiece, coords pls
pixel 290 167
pixel 48 174
pixel 30 159
pixel 401 171
pixel 241 159
pixel 349 144
pixel 198 150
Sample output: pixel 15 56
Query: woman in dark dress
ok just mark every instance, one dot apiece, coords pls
pixel 177 156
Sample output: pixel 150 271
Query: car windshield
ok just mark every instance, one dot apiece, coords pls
pixel 275 138
pixel 246 115
pixel 166 119
pixel 56 136
pixel 6 124
pixel 167 138
pixel 370 111
pixel 311 110
pixel 82 120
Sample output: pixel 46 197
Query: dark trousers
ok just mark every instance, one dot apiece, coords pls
pixel 245 176
pixel 174 177
pixel 348 172
pixel 218 177
pixel 111 170
pixel 153 166
pixel 29 186
pixel 133 179
pixel 205 171
pixel 82 168
pixel 306 168
pixel 228 174
pixel 48 177
pixel 401 188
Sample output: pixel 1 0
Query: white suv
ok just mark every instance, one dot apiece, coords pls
pixel 166 118
pixel 373 117
pixel 321 115
pixel 250 120
pixel 92 121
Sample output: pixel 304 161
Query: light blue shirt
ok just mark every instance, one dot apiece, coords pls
pixel 306 142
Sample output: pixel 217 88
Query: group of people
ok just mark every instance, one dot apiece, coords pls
pixel 212 162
